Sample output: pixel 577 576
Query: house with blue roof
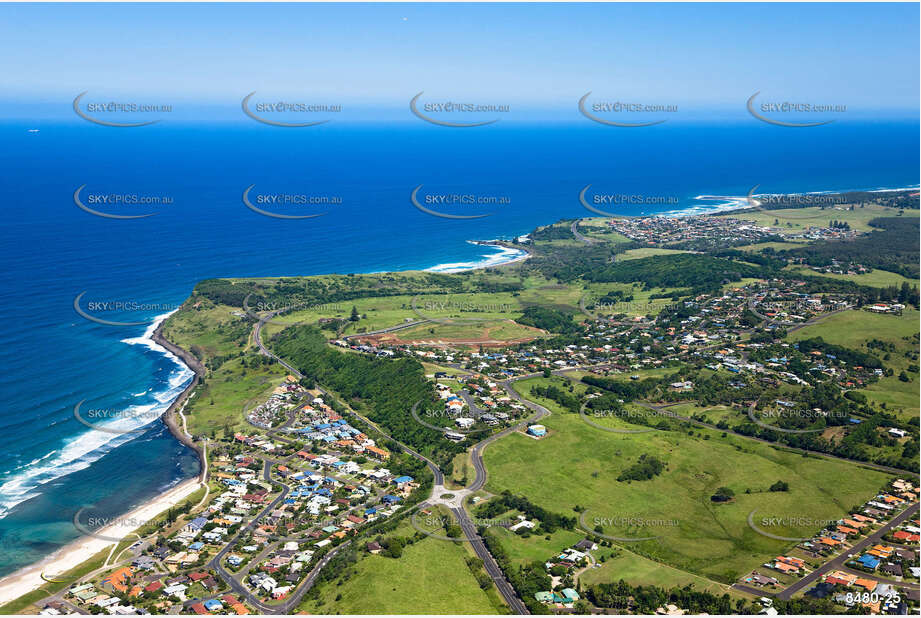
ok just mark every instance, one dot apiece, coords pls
pixel 213 605
pixel 869 561
pixel 389 499
pixel 402 480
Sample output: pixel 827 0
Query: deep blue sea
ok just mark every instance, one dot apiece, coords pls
pixel 52 358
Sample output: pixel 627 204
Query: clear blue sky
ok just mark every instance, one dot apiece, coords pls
pixel 545 54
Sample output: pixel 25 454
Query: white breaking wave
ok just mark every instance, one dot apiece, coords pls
pixel 82 450
pixel 504 255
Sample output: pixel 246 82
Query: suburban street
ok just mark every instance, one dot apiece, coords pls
pixel 489 563
pixel 857 549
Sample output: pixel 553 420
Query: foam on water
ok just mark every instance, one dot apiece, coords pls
pixel 81 451
pixel 504 255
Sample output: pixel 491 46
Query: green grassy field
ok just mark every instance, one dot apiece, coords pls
pixel 210 330
pixel 578 465
pixel 641 304
pixel 854 329
pixel 797 219
pixel 535 548
pixel 431 368
pixel 636 570
pixel 777 246
pixel 713 414
pixel 635 254
pixel 595 228
pixel 499 330
pixel 219 403
pixel 429 578
pixel 628 375
pixel 741 283
pixel 877 278
pixel 471 310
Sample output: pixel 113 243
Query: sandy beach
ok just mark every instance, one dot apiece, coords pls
pixel 29 578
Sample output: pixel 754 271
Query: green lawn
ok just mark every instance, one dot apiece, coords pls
pixel 854 329
pixel 431 368
pixel 577 464
pixel 429 578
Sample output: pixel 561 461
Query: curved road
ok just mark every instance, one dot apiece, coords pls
pixel 574 228
pixel 489 563
pixel 479 482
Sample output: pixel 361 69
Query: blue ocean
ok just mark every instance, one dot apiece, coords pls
pixel 53 358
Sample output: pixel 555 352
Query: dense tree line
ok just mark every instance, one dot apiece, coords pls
pixel 567 400
pixel 549 521
pixel 646 599
pixel 699 273
pixel 646 468
pixel 385 389
pixel 854 358
pixel 892 246
pixel 549 319
pixel 628 391
pixel 527 580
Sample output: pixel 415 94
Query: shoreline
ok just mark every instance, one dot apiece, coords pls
pixel 29 578
pixel 740 204
pixel 521 254
pixel 169 415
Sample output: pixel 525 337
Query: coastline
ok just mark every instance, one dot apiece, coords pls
pixel 29 579
pixel 169 415
pixel 509 253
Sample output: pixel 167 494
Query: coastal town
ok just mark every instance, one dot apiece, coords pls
pixel 443 309
pixel 307 475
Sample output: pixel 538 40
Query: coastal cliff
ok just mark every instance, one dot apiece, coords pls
pixel 170 416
